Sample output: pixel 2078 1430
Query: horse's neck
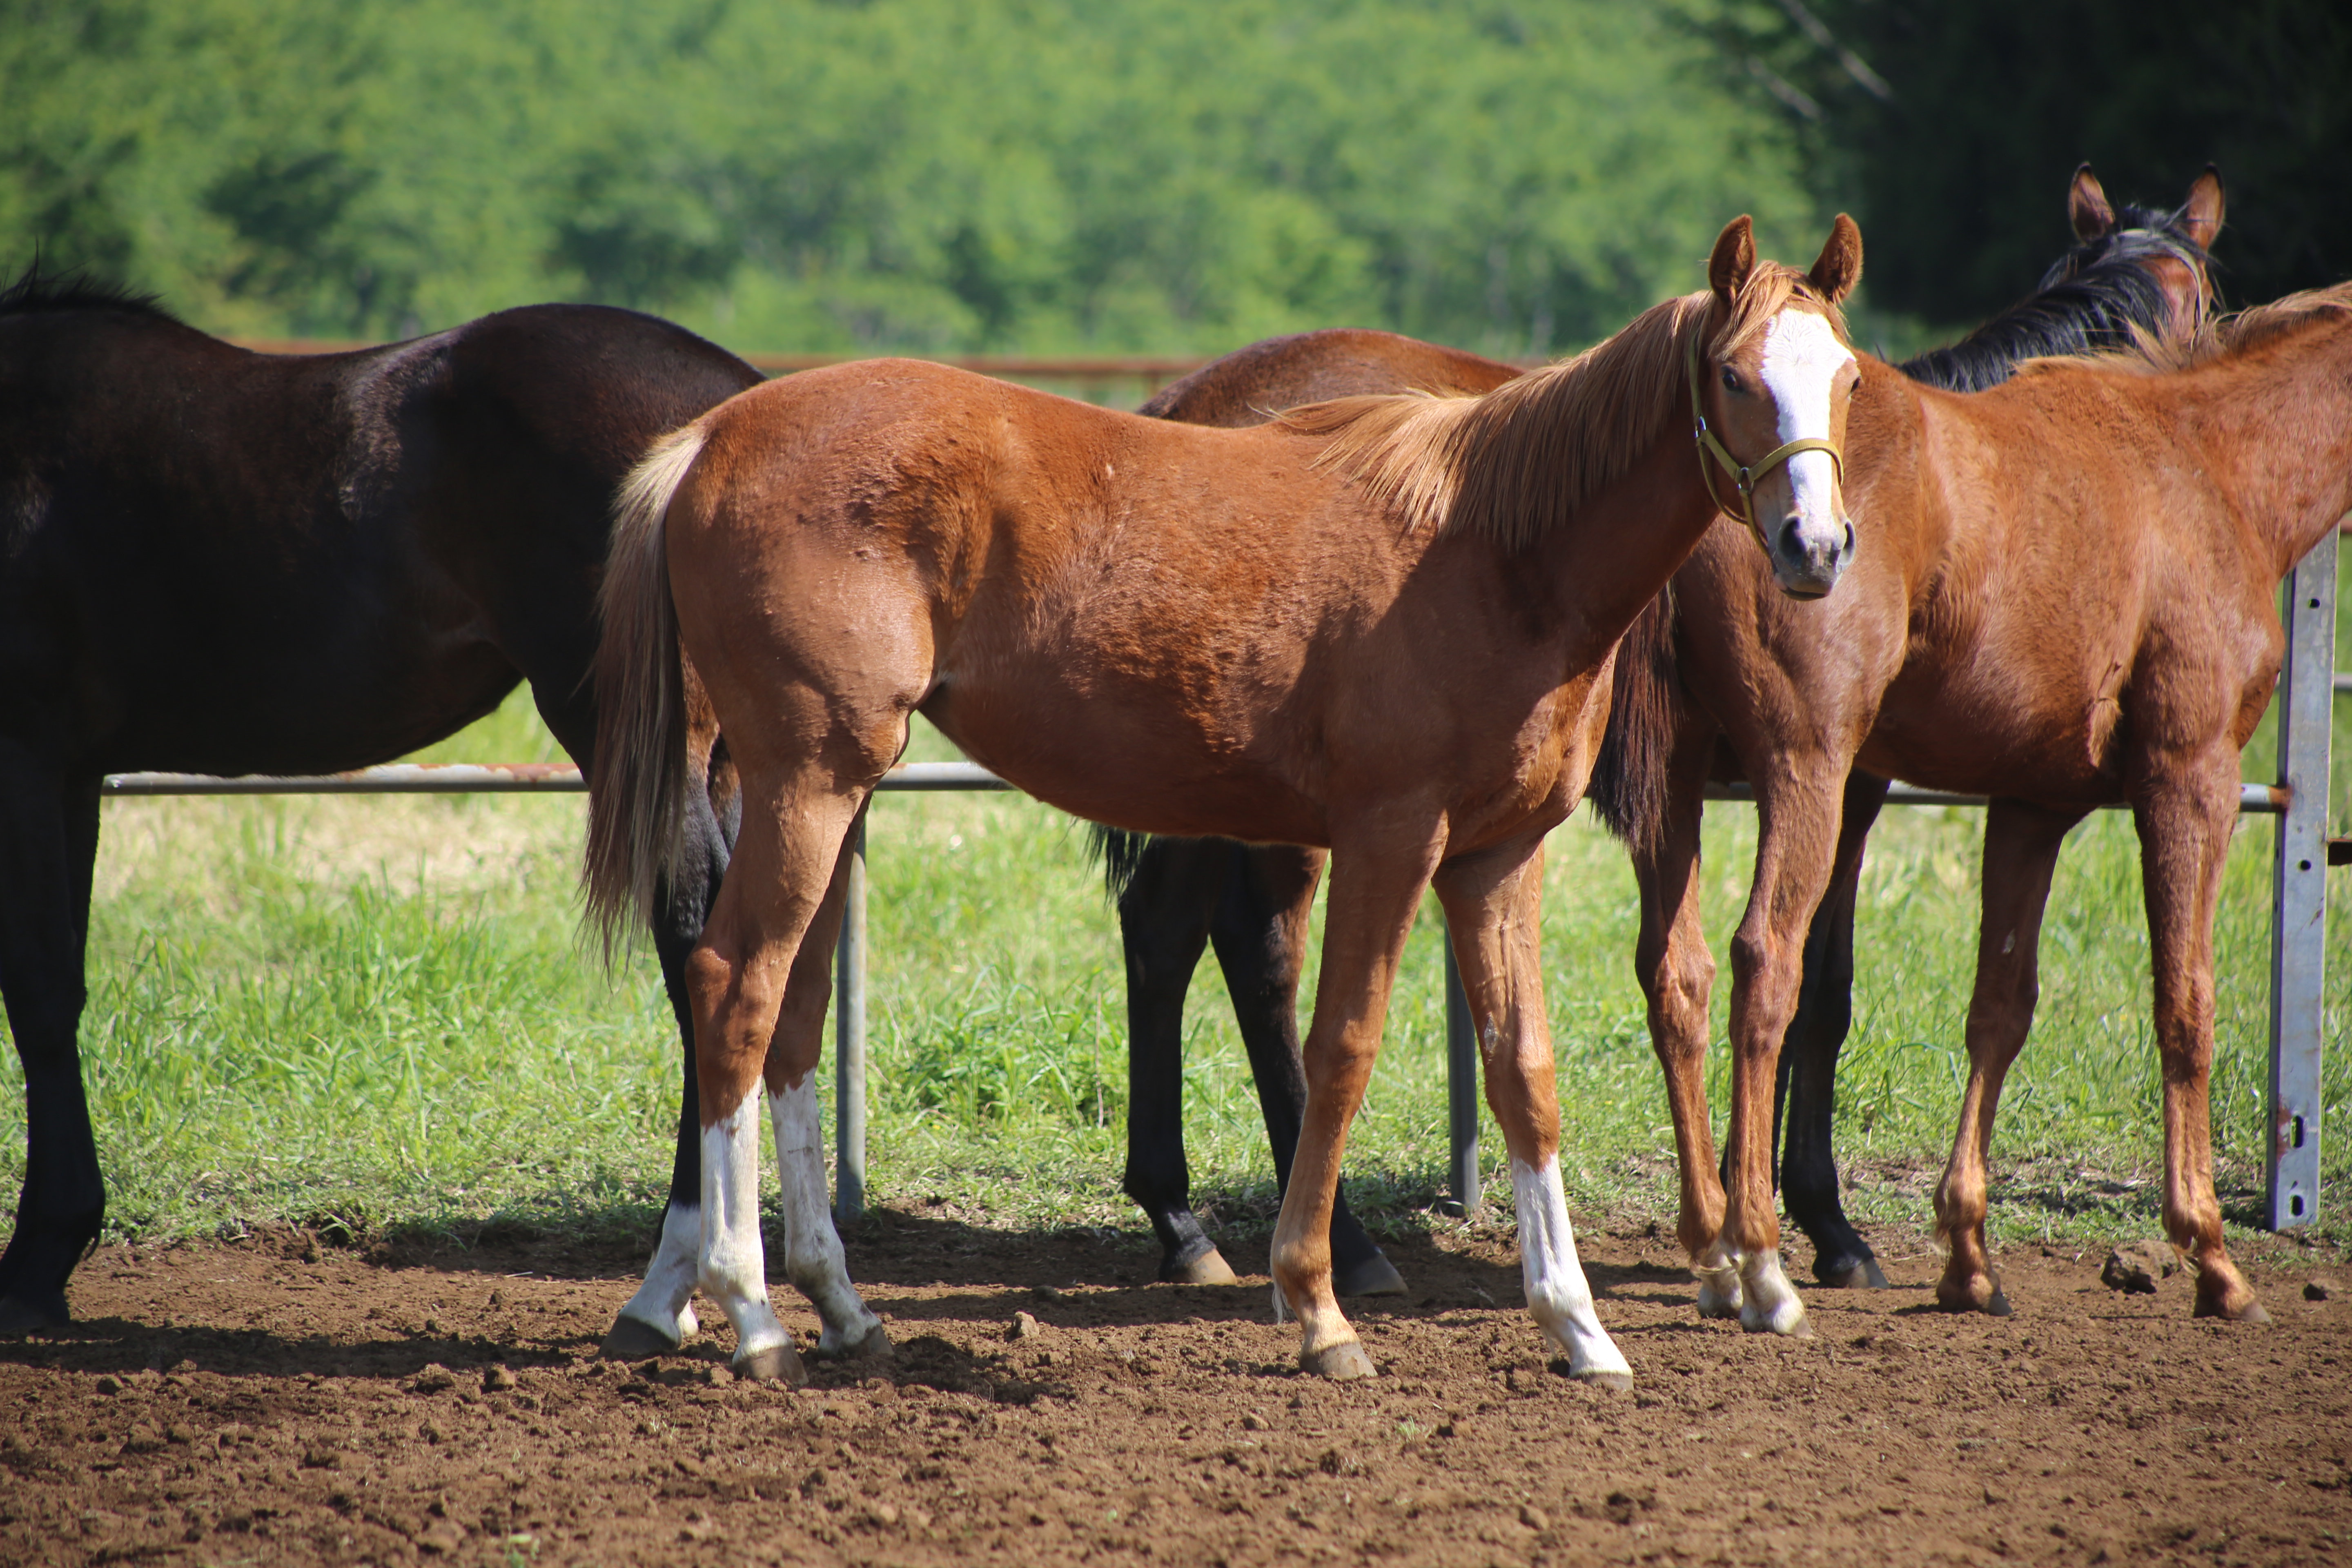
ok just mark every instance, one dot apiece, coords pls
pixel 1623 545
pixel 2276 430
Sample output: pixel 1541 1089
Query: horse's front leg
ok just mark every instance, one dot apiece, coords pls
pixel 1376 887
pixel 1677 975
pixel 1809 1059
pixel 2186 809
pixel 2021 850
pixel 49 839
pixel 1797 831
pixel 1493 905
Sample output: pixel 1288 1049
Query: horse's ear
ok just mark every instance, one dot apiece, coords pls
pixel 2202 216
pixel 1734 259
pixel 1839 268
pixel 2087 209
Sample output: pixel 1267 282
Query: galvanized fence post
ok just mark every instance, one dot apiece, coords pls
pixel 2299 895
pixel 1461 1091
pixel 849 1042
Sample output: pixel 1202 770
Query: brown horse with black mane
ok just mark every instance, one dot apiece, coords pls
pixel 1383 625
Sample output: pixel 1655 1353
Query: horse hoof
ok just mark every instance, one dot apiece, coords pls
pixel 1761 1323
pixel 1342 1362
pixel 1851 1274
pixel 777 1364
pixel 873 1344
pixel 1984 1297
pixel 27 1315
pixel 2251 1312
pixel 1375 1276
pixel 1209 1268
pixel 1614 1382
pixel 633 1339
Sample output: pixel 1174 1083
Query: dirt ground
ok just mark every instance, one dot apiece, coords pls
pixel 272 1402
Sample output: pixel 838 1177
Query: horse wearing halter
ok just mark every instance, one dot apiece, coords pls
pixel 1746 477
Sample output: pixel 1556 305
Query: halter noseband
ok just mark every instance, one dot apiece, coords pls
pixel 1744 478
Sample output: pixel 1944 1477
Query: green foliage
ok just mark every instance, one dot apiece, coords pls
pixel 930 175
pixel 1958 172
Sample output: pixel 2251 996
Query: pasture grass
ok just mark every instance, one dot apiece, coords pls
pixel 369 1014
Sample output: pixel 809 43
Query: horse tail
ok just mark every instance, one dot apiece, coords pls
pixel 1628 787
pixel 1121 854
pixel 637 781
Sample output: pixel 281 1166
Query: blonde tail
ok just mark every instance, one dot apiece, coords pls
pixel 638 782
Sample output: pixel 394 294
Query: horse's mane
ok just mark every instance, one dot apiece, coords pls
pixel 2219 339
pixel 1526 458
pixel 34 293
pixel 2098 296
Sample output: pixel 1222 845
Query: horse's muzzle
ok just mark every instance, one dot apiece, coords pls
pixel 1807 562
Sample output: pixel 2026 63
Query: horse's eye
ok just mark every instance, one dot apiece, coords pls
pixel 1730 379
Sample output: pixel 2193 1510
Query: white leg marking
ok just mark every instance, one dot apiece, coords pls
pixel 1718 1281
pixel 665 1302
pixel 1771 1304
pixel 734 1264
pixel 1557 1298
pixel 812 1258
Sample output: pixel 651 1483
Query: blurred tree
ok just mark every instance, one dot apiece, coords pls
pixel 1953 139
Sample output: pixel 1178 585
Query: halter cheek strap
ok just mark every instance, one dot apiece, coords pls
pixel 1744 478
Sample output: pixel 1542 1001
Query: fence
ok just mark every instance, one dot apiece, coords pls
pixel 2298 930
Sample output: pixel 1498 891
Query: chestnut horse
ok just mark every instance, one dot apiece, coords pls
pixel 2136 270
pixel 230 563
pixel 1383 626
pixel 2069 602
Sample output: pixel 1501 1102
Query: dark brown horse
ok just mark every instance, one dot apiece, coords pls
pixel 1382 627
pixel 228 563
pixel 2130 272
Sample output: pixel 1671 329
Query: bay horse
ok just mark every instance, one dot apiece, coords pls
pixel 2132 271
pixel 223 562
pixel 2070 602
pixel 1382 627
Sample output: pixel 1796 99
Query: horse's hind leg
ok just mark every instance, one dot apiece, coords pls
pixel 1492 903
pixel 738 975
pixel 48 839
pixel 1809 1059
pixel 1260 930
pixel 1677 974
pixel 2021 851
pixel 1163 923
pixel 2186 813
pixel 660 1317
pixel 813 1255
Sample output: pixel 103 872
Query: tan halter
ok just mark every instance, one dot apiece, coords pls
pixel 1744 477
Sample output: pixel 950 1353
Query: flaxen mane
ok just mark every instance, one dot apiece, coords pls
pixel 1526 458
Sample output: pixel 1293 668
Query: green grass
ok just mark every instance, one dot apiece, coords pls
pixel 378 1013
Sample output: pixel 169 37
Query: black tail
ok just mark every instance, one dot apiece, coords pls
pixel 1121 853
pixel 1628 788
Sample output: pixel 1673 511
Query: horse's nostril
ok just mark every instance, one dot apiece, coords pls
pixel 1849 538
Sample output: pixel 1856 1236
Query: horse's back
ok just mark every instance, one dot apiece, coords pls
pixel 1250 384
pixel 239 562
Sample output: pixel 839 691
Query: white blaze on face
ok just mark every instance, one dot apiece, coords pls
pixel 1557 1297
pixel 1802 358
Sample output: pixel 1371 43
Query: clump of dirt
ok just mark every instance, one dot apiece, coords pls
pixel 274 1402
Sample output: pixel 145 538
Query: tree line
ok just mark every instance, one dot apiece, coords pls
pixel 1053 175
